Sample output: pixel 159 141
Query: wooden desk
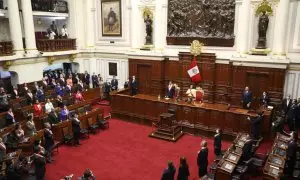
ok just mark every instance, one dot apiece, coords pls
pixel 195 118
pixel 274 166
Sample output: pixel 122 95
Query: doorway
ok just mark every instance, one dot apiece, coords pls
pixel 144 78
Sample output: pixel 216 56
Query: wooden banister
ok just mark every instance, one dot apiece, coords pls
pixel 47 45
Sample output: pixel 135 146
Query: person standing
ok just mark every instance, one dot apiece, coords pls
pixel 40 164
pixel 133 86
pixel 31 130
pixel 49 142
pixel 202 160
pixel 95 80
pixel 10 117
pixel 291 154
pixel 64 32
pixel 86 79
pixel 170 90
pixel 286 104
pixel 255 125
pixel 169 172
pixel 247 98
pixel 264 100
pixel 114 84
pixel 218 143
pixel 291 116
pixel 76 129
pixel 183 171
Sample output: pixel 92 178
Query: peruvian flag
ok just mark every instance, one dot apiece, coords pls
pixel 193 71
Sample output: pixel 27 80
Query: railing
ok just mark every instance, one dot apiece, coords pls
pixel 47 45
pixel 59 6
pixel 6 48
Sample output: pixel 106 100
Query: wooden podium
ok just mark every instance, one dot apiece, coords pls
pixel 167 128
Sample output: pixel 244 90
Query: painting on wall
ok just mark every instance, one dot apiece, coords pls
pixel 111 18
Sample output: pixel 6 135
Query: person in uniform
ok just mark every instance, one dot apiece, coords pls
pixel 218 143
pixel 247 98
pixel 202 159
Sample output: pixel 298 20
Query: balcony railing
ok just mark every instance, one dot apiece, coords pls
pixel 47 45
pixel 59 6
pixel 6 48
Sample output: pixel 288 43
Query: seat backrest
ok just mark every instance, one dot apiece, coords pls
pixel 90 121
pixel 81 110
pixel 87 107
pixel 65 130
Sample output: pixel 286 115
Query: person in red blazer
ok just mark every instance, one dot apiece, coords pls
pixel 38 109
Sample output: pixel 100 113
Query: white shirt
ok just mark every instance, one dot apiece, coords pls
pixel 49 107
pixel 64 32
pixel 52 35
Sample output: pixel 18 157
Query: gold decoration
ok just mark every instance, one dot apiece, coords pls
pixel 147 12
pixel 264 7
pixel 7 64
pixel 196 47
pixel 51 60
pixel 72 57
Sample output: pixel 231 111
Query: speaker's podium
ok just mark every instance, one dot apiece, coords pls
pixel 167 127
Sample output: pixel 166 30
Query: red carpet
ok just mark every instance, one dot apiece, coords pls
pixel 126 152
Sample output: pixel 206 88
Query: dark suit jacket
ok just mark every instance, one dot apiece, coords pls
pixel 95 79
pixel 76 126
pixel 14 95
pixel 247 97
pixel 183 173
pixel 86 78
pixel 217 141
pixel 264 100
pixel 202 159
pixel 255 126
pixel 53 118
pixel 291 150
pixel 133 87
pixel 286 106
pixel 61 82
pixel 114 84
pixel 29 100
pixel 49 142
pixel 247 150
pixel 9 119
pixel 170 92
pixel 168 174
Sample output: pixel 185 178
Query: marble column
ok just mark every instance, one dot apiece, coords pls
pixel 30 41
pixel 15 27
pixel 90 27
pixel 280 29
pixel 243 28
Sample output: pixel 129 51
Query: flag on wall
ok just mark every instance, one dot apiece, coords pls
pixel 194 72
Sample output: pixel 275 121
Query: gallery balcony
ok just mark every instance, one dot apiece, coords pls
pixel 47 45
pixel 55 6
pixel 6 48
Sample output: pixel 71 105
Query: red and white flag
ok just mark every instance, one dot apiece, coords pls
pixel 194 72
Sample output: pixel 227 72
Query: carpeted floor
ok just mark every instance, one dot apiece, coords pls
pixel 124 151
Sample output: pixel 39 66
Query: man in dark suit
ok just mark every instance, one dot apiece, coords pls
pixel 76 129
pixel 62 80
pixel 286 104
pixel 86 78
pixel 107 88
pixel 29 97
pixel 49 142
pixel 291 154
pixel 247 98
pixel 170 90
pixel 264 99
pixel 255 126
pixel 15 93
pixel 169 172
pixel 247 149
pixel 133 86
pixel 218 142
pixel 291 116
pixel 95 80
pixel 53 118
pixel 114 84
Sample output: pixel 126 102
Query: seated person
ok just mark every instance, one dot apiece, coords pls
pixel 48 106
pixel 80 86
pixel 38 109
pixel 170 90
pixel 2 150
pixel 40 94
pixel 88 175
pixel 3 100
pixel 53 117
pixel 9 117
pixel 29 97
pixel 247 149
pixel 31 130
pixel 78 96
pixel 68 89
pixel 59 101
pixel 64 113
pixel 264 100
pixel 16 137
